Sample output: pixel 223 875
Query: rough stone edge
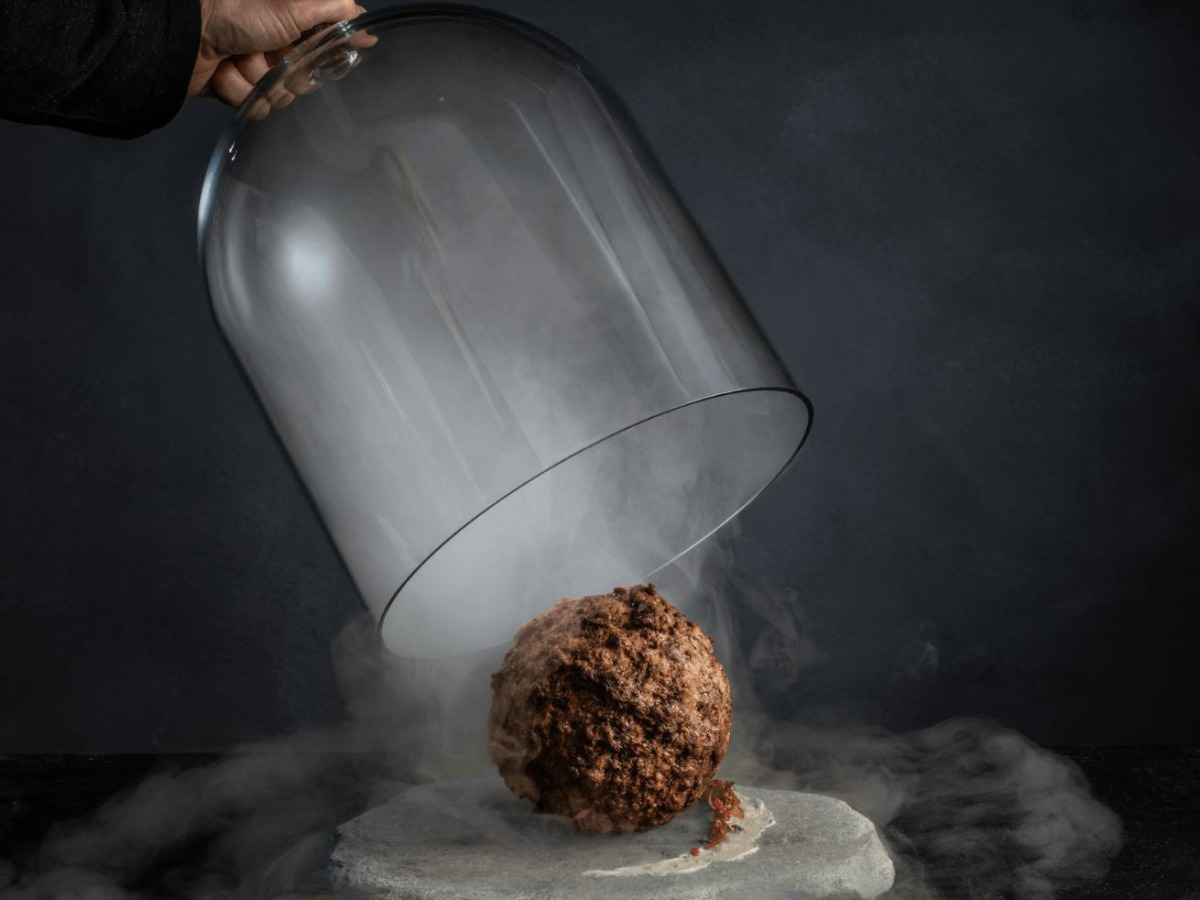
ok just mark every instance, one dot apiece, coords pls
pixel 336 871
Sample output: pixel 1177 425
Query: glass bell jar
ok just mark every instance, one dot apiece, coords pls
pixel 502 358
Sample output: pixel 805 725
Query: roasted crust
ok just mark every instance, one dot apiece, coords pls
pixel 611 710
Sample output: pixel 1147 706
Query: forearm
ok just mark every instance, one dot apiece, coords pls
pixel 117 68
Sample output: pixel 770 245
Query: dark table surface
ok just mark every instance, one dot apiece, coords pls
pixel 1156 792
pixel 183 825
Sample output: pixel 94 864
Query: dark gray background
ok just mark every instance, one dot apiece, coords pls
pixel 971 230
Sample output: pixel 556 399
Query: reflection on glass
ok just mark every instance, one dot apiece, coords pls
pixel 501 357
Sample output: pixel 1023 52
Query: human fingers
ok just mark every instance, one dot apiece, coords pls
pixel 298 82
pixel 236 27
pixel 258 110
pixel 229 85
pixel 361 40
pixel 274 56
pixel 279 93
pixel 303 15
pixel 252 66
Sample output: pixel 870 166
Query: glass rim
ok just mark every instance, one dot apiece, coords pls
pixel 339 32
pixel 775 476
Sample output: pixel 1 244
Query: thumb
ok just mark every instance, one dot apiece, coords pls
pixel 306 14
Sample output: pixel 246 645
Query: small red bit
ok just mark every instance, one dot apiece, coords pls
pixel 725 804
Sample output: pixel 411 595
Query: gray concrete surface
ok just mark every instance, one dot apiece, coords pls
pixel 474 839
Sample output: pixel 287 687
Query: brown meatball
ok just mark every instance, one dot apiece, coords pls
pixel 611 710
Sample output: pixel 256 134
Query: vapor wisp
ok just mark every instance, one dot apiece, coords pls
pixel 970 810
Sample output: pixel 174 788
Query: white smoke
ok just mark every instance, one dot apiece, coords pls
pixel 968 808
pixel 256 824
pixel 971 810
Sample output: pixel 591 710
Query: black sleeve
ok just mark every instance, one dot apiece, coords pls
pixel 116 68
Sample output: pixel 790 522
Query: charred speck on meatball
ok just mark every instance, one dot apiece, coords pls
pixel 610 710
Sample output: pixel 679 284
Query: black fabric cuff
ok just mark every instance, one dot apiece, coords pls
pixel 115 68
pixel 179 39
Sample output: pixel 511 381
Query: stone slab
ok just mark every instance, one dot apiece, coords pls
pixel 474 839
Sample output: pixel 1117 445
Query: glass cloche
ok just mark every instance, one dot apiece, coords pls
pixel 502 358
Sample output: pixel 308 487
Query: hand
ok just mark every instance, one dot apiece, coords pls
pixel 241 39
